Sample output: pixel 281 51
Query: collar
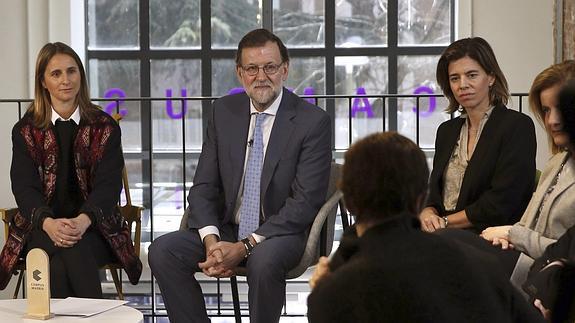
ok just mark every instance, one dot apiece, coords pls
pixel 403 221
pixel 485 115
pixel 272 109
pixel 75 116
pixel 350 243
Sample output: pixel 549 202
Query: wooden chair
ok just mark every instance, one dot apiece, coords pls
pixel 131 213
pixel 7 216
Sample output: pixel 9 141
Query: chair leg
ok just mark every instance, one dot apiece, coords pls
pixel 345 221
pixel 236 299
pixel 18 284
pixel 118 283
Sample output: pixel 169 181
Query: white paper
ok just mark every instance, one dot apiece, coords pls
pixel 74 306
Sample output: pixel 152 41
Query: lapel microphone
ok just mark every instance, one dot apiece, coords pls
pixel 250 142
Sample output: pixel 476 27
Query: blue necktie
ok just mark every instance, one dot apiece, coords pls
pixel 250 208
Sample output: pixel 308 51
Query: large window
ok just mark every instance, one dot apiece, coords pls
pixel 185 48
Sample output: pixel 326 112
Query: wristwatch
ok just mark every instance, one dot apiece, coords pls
pixel 248 246
pixel 445 221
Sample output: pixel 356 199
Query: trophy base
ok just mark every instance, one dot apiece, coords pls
pixel 39 316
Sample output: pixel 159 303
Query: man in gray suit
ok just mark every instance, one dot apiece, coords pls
pixel 261 178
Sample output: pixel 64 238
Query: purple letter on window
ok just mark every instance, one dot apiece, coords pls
pixel 428 90
pixel 356 104
pixel 114 106
pixel 309 91
pixel 170 108
pixel 236 90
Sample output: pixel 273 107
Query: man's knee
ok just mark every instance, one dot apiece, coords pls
pixel 275 257
pixel 159 253
pixel 265 267
pixel 174 249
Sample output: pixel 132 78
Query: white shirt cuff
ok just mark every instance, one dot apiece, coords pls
pixel 210 229
pixel 258 238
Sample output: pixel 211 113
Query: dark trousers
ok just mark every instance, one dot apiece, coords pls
pixel 174 259
pixel 507 258
pixel 74 271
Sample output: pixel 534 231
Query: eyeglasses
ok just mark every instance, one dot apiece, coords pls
pixel 269 69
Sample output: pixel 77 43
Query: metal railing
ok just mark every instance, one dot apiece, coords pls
pixel 386 109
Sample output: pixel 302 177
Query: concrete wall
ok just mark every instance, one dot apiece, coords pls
pixel 521 34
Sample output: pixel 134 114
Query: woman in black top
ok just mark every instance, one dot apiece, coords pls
pixel 484 164
pixel 66 177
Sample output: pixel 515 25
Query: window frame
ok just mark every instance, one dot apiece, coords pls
pixel 205 53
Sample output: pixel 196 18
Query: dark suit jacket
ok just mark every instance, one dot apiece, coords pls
pixel 397 273
pixel 295 173
pixel 500 176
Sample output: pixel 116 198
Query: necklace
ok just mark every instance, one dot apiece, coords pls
pixel 550 190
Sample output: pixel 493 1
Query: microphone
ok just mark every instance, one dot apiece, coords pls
pixel 250 142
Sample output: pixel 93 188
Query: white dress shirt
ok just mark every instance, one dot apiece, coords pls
pixel 267 126
pixel 455 170
pixel 75 116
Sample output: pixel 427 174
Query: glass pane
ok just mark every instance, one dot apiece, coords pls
pixel 360 23
pixel 424 22
pixel 231 20
pixel 169 195
pixel 117 79
pixel 224 79
pixel 416 75
pixel 174 24
pixel 306 75
pixel 176 78
pixel 299 23
pixel 113 24
pixel 359 75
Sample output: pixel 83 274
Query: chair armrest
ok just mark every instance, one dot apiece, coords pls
pixel 311 254
pixel 321 217
pixel 7 215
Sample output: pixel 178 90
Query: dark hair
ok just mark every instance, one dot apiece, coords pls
pixel 479 50
pixel 384 174
pixel 257 38
pixel 556 74
pixel 567 107
pixel 41 107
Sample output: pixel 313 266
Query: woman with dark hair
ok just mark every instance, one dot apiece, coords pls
pixel 484 164
pixel 66 178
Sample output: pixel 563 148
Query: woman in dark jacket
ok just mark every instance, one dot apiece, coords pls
pixel 484 164
pixel 66 178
